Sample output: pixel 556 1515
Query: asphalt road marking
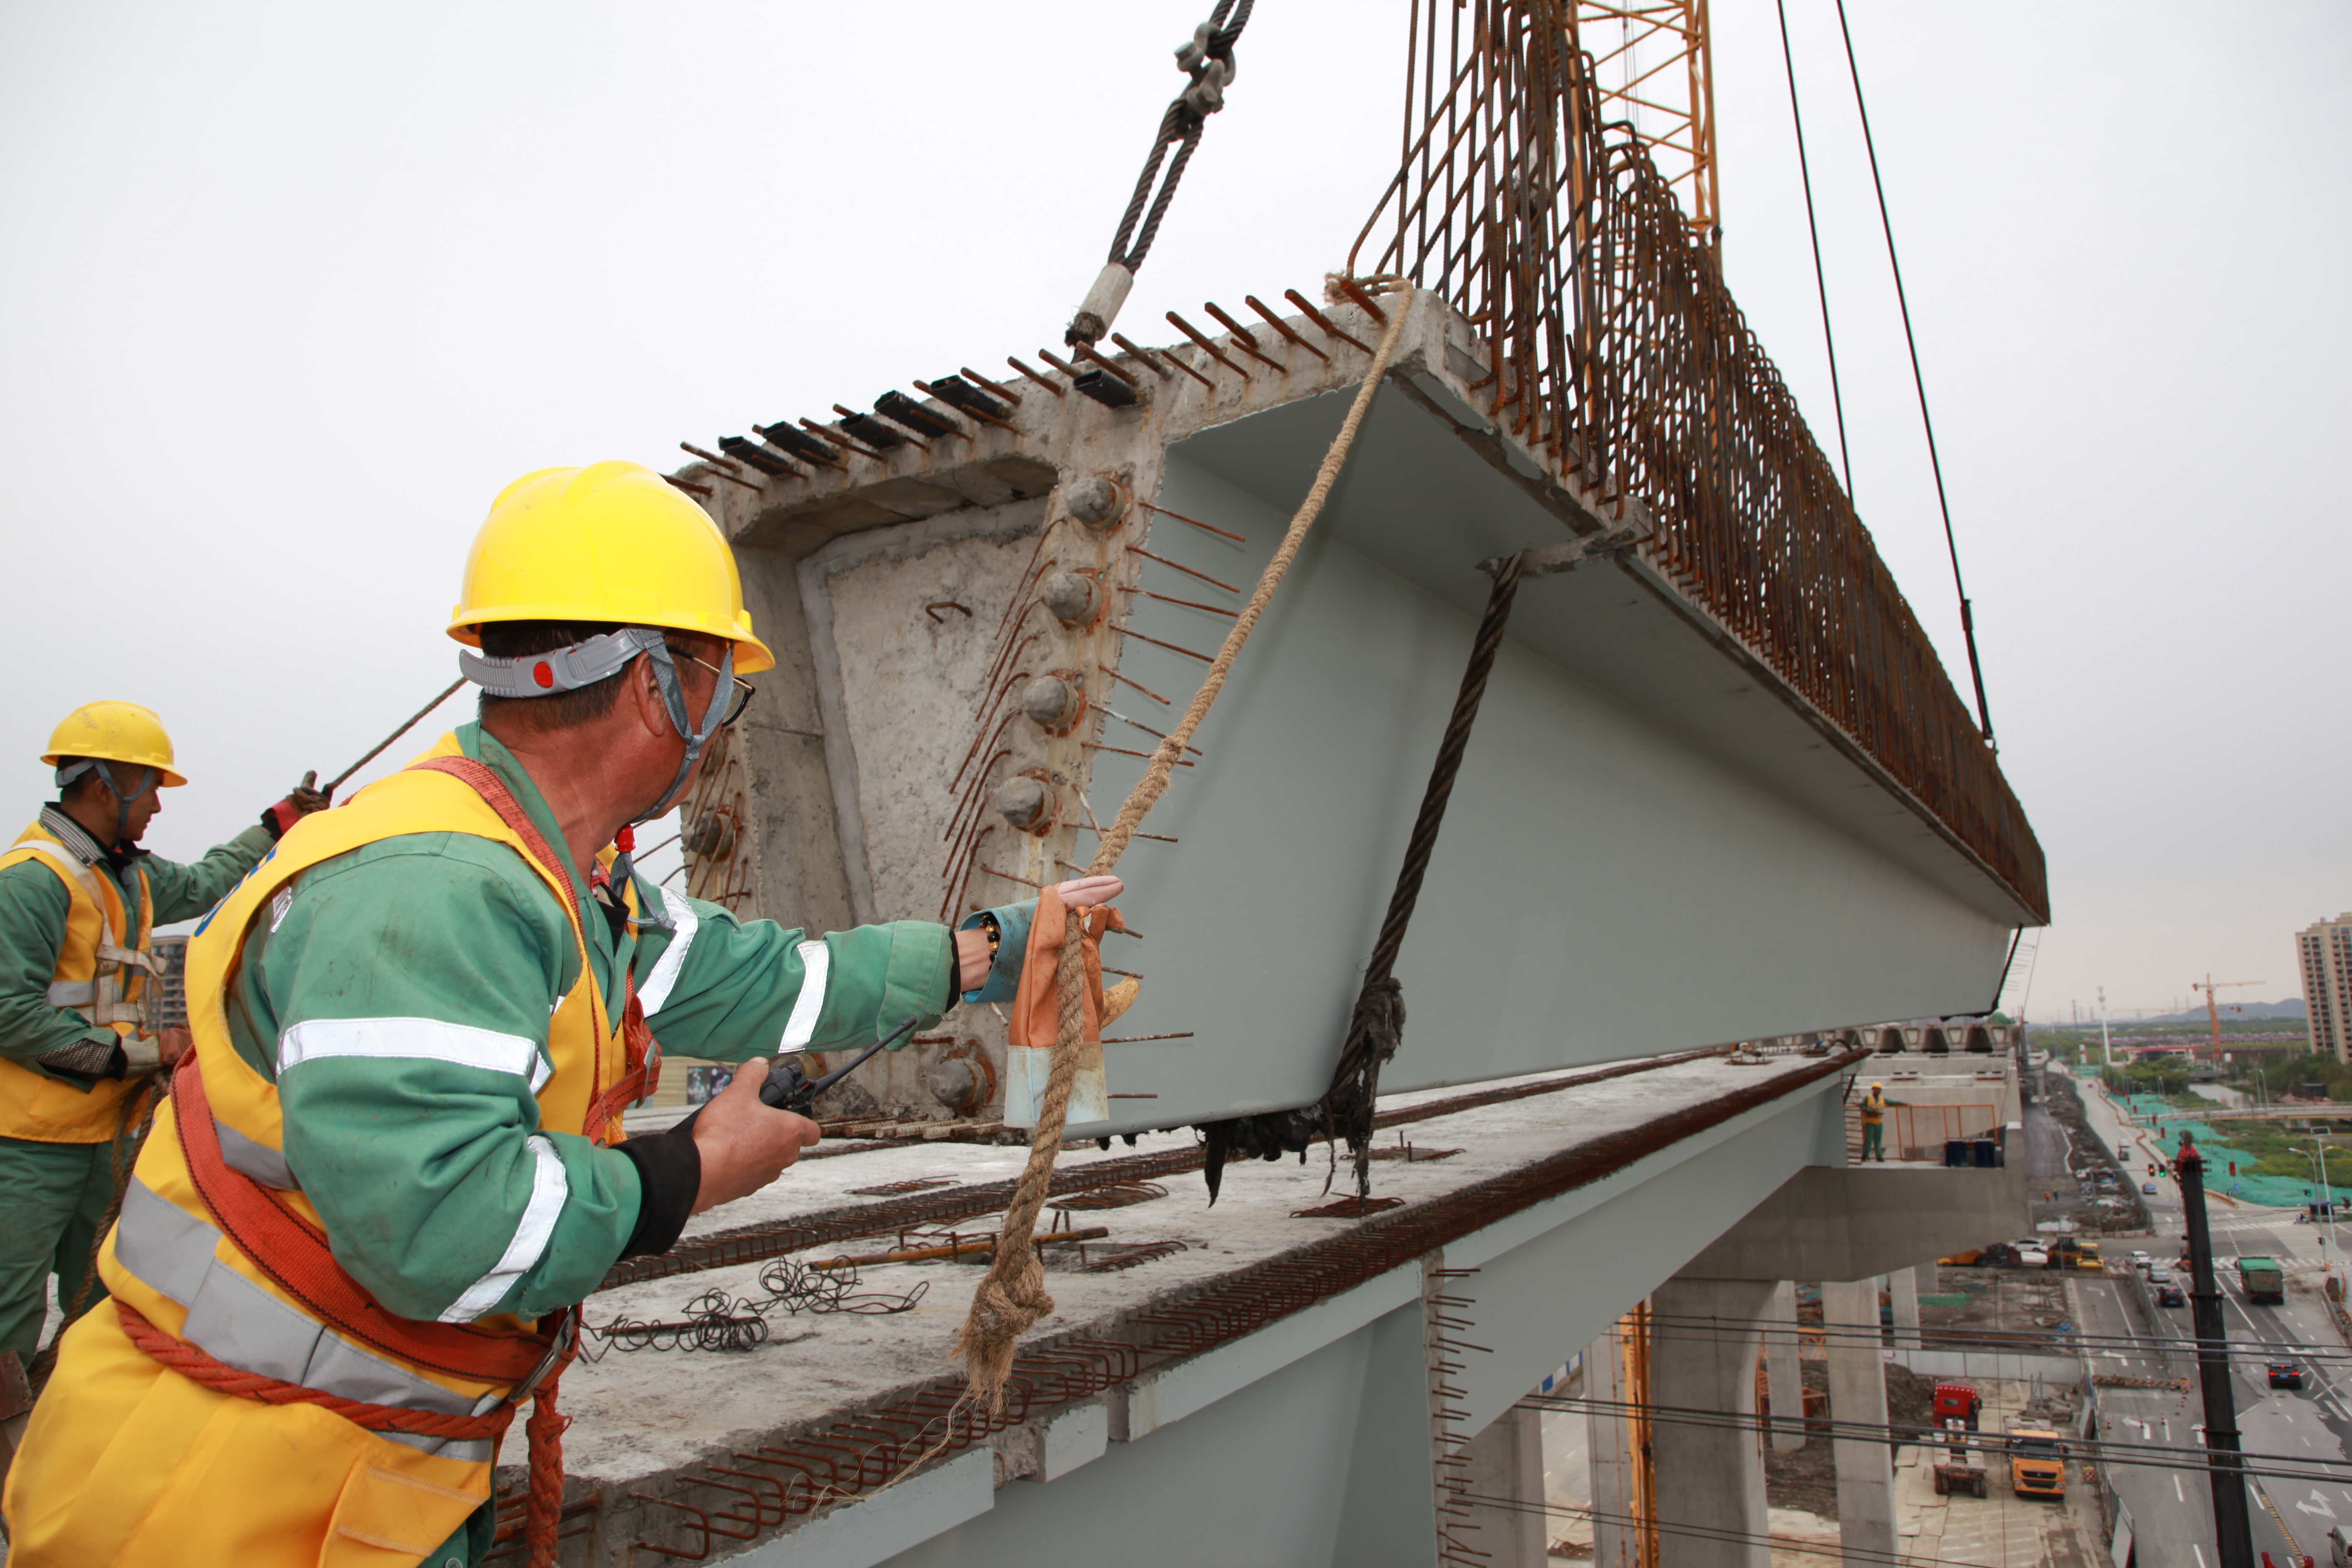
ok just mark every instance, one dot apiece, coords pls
pixel 2200 1553
pixel 2177 1492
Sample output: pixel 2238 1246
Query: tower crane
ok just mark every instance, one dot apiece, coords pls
pixel 2212 1009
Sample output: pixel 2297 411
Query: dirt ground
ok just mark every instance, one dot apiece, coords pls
pixel 2001 1300
pixel 1806 1478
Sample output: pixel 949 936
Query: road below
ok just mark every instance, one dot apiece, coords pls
pixel 2310 1427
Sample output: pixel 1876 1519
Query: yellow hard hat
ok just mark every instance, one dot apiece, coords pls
pixel 610 543
pixel 114 733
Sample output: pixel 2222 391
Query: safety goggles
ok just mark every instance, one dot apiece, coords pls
pixel 743 689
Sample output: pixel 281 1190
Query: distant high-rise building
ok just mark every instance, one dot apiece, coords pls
pixel 171 982
pixel 2324 955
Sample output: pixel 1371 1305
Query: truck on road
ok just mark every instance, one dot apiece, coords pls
pixel 2037 1462
pixel 2262 1280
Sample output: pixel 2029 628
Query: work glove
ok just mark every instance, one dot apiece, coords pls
pixel 306 798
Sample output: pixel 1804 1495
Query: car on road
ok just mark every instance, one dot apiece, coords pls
pixel 2285 1375
pixel 2159 1274
pixel 2033 1257
pixel 2169 1295
pixel 2148 1187
pixel 2141 1259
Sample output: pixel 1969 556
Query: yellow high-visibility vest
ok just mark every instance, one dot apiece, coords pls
pixel 103 968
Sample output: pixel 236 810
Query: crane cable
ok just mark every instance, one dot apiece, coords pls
pixel 1812 227
pixel 1968 614
pixel 1207 57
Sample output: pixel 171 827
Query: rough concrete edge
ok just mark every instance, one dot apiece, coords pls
pixel 840 756
pixel 900 541
pixel 923 1507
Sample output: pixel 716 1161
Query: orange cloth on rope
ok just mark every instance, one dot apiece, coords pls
pixel 1037 1004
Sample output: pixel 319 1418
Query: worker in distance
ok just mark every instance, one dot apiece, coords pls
pixel 80 1044
pixel 395 1160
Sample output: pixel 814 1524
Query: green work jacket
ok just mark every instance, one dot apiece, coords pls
pixel 32 905
pixel 418 1159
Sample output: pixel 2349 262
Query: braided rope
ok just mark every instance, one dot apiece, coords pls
pixel 1013 1297
pixel 543 1503
pixel 190 1361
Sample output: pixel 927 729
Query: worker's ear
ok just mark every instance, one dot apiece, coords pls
pixel 645 695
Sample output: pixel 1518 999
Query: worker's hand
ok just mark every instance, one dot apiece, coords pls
pixel 173 1044
pixel 305 798
pixel 743 1144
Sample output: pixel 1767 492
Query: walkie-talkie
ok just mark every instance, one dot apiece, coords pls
pixel 788 1086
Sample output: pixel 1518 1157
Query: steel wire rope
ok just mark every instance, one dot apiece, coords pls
pixel 1812 228
pixel 1207 58
pixel 1919 383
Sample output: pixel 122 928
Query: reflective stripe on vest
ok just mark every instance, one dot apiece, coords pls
pixel 231 1318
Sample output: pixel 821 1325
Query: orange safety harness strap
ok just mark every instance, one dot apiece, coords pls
pixel 296 1256
pixel 642 1055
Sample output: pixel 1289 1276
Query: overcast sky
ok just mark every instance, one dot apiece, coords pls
pixel 290 291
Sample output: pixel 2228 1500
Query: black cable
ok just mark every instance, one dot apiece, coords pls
pixel 1844 1553
pixel 1820 283
pixel 2149 1455
pixel 1967 616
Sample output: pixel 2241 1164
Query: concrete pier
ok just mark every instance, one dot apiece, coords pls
pixel 1784 1368
pixel 1866 1466
pixel 1506 1461
pixel 1710 1478
pixel 1903 1291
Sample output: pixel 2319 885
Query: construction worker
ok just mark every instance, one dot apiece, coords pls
pixel 1874 1124
pixel 78 1048
pixel 393 1163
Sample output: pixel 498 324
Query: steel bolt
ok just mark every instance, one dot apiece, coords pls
pixel 1098 503
pixel 1023 802
pixel 1072 599
pixel 1054 702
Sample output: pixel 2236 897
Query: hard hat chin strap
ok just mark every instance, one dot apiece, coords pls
pixel 674 698
pixel 584 664
pixel 67 774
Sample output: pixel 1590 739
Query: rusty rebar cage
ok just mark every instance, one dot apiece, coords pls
pixel 1614 350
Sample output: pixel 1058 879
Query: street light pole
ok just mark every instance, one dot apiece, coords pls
pixel 2106 1044
pixel 2328 1193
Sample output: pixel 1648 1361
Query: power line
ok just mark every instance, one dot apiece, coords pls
pixel 1968 614
pixel 1713 1533
pixel 1820 281
pixel 1991 1341
pixel 2149 1455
